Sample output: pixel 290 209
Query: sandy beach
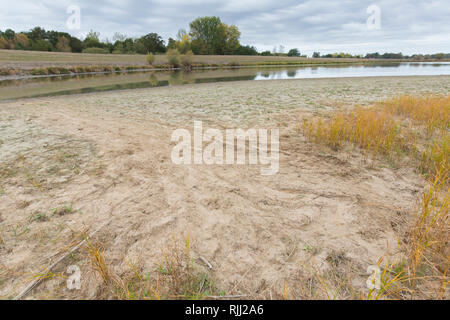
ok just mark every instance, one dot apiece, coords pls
pixel 74 163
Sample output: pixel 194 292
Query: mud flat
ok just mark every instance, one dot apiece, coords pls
pixel 70 164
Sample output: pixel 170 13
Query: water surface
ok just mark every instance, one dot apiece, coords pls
pixel 78 84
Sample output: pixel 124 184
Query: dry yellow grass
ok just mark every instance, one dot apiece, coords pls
pixel 374 131
pixel 174 278
pixel 98 261
pixel 431 111
pixel 428 246
pixel 416 127
pixel 407 125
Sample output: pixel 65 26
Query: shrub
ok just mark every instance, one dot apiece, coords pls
pixel 95 50
pixel 173 57
pixel 80 69
pixel 41 45
pixel 63 45
pixel 63 70
pixel 39 72
pixel 187 58
pixel 53 70
pixel 98 69
pixel 246 51
pixel 150 58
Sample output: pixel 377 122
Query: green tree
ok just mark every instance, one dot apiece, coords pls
pixel 185 44
pixel 231 37
pixel 206 33
pixel 9 34
pixel 152 42
pixel 53 37
pixel 37 34
pixel 294 53
pixel 139 47
pixel 211 36
pixel 118 47
pixel 92 40
pixel 129 46
pixel 246 51
pixel 171 43
pixel 41 45
pixel 76 44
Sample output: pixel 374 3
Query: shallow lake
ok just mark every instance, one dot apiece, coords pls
pixel 76 84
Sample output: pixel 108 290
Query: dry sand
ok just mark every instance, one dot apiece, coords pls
pixel 108 155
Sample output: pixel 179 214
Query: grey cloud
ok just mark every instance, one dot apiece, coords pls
pixel 320 25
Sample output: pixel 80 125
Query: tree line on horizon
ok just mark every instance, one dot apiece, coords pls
pixel 207 36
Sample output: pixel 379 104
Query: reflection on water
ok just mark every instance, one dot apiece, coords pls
pixel 375 70
pixel 77 84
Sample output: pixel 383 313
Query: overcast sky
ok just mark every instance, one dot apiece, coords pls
pixel 409 26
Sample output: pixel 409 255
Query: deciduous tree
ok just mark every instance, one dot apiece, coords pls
pixel 63 44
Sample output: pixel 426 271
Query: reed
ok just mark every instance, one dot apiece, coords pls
pixel 416 127
pixel 413 128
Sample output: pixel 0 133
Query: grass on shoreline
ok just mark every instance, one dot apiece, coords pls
pixel 16 62
pixel 397 128
pixel 68 70
pixel 137 59
pixel 415 128
pixel 406 126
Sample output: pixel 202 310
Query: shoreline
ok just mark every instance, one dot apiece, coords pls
pixel 52 71
pixel 213 82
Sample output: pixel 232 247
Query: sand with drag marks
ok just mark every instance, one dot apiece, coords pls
pixel 74 163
